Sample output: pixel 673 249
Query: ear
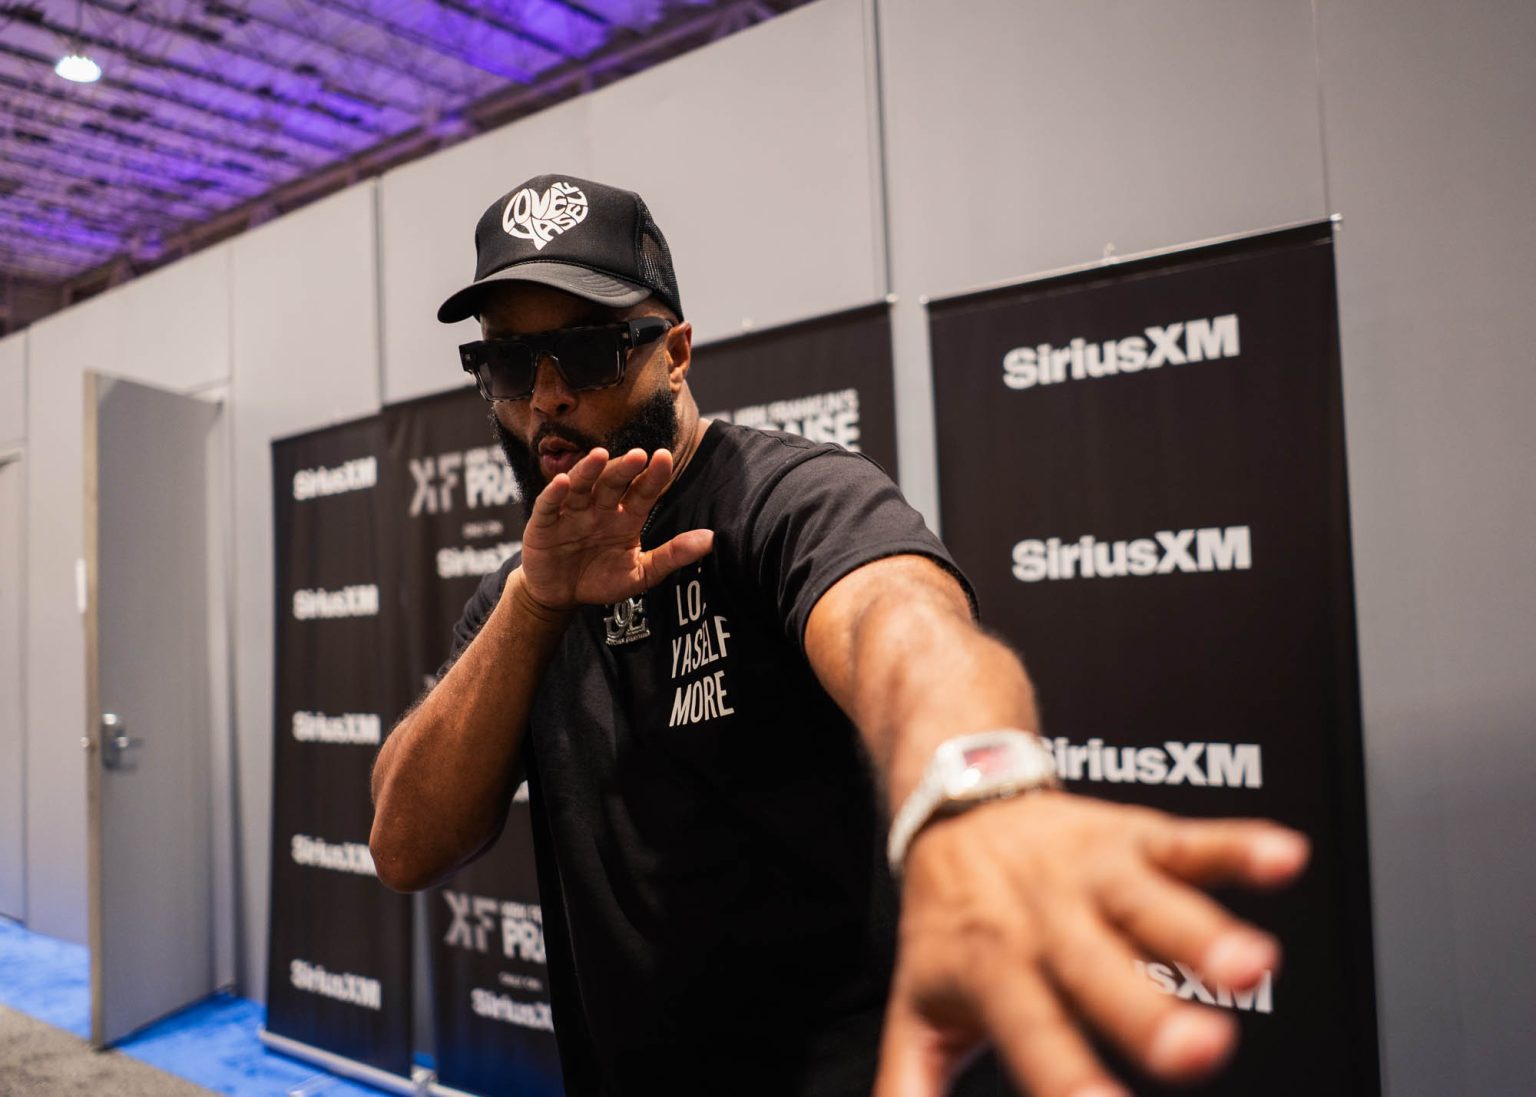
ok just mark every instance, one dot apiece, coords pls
pixel 679 343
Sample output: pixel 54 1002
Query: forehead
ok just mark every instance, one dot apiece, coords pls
pixel 524 308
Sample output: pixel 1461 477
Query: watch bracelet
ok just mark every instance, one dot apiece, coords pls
pixel 926 803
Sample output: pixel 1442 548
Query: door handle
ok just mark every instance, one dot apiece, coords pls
pixel 116 742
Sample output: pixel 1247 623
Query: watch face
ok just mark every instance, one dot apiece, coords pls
pixel 991 763
pixel 989 760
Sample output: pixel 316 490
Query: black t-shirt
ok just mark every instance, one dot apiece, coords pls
pixel 718 912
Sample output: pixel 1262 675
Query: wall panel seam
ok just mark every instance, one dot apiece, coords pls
pixel 875 88
pixel 23 550
pixel 1322 122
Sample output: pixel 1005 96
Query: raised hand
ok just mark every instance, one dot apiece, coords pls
pixel 581 545
pixel 1021 924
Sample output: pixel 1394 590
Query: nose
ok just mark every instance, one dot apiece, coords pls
pixel 551 397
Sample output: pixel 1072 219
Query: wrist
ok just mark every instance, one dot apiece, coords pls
pixel 913 754
pixel 947 831
pixel 966 772
pixel 530 606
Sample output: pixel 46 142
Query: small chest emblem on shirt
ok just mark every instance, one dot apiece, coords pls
pixel 625 622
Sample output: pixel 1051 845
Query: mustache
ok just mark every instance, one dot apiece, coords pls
pixel 575 438
pixel 650 427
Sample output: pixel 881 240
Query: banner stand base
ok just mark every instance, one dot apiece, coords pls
pixel 339 1064
pixel 437 1089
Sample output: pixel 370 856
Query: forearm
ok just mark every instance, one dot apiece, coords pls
pixel 923 673
pixel 444 777
pixel 895 646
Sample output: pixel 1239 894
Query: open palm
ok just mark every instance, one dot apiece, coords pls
pixel 582 542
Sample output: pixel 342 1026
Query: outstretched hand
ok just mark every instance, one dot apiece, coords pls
pixel 1021 924
pixel 581 545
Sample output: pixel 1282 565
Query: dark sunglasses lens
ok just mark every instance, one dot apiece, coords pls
pixel 506 371
pixel 590 359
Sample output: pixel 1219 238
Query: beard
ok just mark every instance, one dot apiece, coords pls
pixel 653 426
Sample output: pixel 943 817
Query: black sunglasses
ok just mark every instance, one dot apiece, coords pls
pixel 587 358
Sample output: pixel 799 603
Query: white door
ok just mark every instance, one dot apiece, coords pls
pixel 147 670
pixel 13 893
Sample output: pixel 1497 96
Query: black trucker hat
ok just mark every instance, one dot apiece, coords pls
pixel 595 241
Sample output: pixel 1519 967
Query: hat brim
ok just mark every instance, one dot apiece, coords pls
pixel 602 289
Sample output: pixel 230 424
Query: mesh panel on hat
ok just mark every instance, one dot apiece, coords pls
pixel 656 260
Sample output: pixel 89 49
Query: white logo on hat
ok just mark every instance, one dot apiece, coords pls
pixel 541 217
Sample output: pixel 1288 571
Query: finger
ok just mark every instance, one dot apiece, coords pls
pixel 682 550
pixel 1039 1043
pixel 915 1060
pixel 1179 923
pixel 583 476
pixel 616 478
pixel 1096 970
pixel 1228 851
pixel 546 508
pixel 646 488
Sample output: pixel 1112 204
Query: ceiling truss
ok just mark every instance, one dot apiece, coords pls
pixel 214 115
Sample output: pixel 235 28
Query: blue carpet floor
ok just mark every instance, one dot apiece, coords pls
pixel 46 979
pixel 213 1043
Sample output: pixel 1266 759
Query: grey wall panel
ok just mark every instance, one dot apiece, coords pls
pixel 13 418
pixel 1431 153
pixel 55 639
pixel 305 353
pixel 13 389
pixel 1025 135
pixel 170 329
pixel 756 156
pixel 13 793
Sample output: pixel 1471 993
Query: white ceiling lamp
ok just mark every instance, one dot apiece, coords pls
pixel 75 65
pixel 79 68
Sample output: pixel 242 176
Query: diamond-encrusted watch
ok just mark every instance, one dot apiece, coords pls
pixel 966 771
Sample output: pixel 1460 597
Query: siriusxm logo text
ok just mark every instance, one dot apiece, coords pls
pixel 354 475
pixel 1180 982
pixel 1171 345
pixel 501 1007
pixel 1166 551
pixel 1217 765
pixel 337 856
pixel 359 990
pixel 456 563
pixel 486 477
pixel 478 920
pixel 351 728
pixel 359 600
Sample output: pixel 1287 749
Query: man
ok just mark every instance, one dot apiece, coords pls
pixel 708 637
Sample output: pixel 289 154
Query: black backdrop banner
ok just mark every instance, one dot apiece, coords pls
pixel 454 514
pixel 1142 471
pixel 339 971
pixel 829 379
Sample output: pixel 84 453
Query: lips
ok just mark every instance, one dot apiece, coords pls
pixel 556 455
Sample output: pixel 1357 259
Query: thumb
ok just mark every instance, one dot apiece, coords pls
pixel 915 1059
pixel 682 550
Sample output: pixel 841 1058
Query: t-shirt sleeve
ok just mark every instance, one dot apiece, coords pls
pixel 477 610
pixel 825 517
